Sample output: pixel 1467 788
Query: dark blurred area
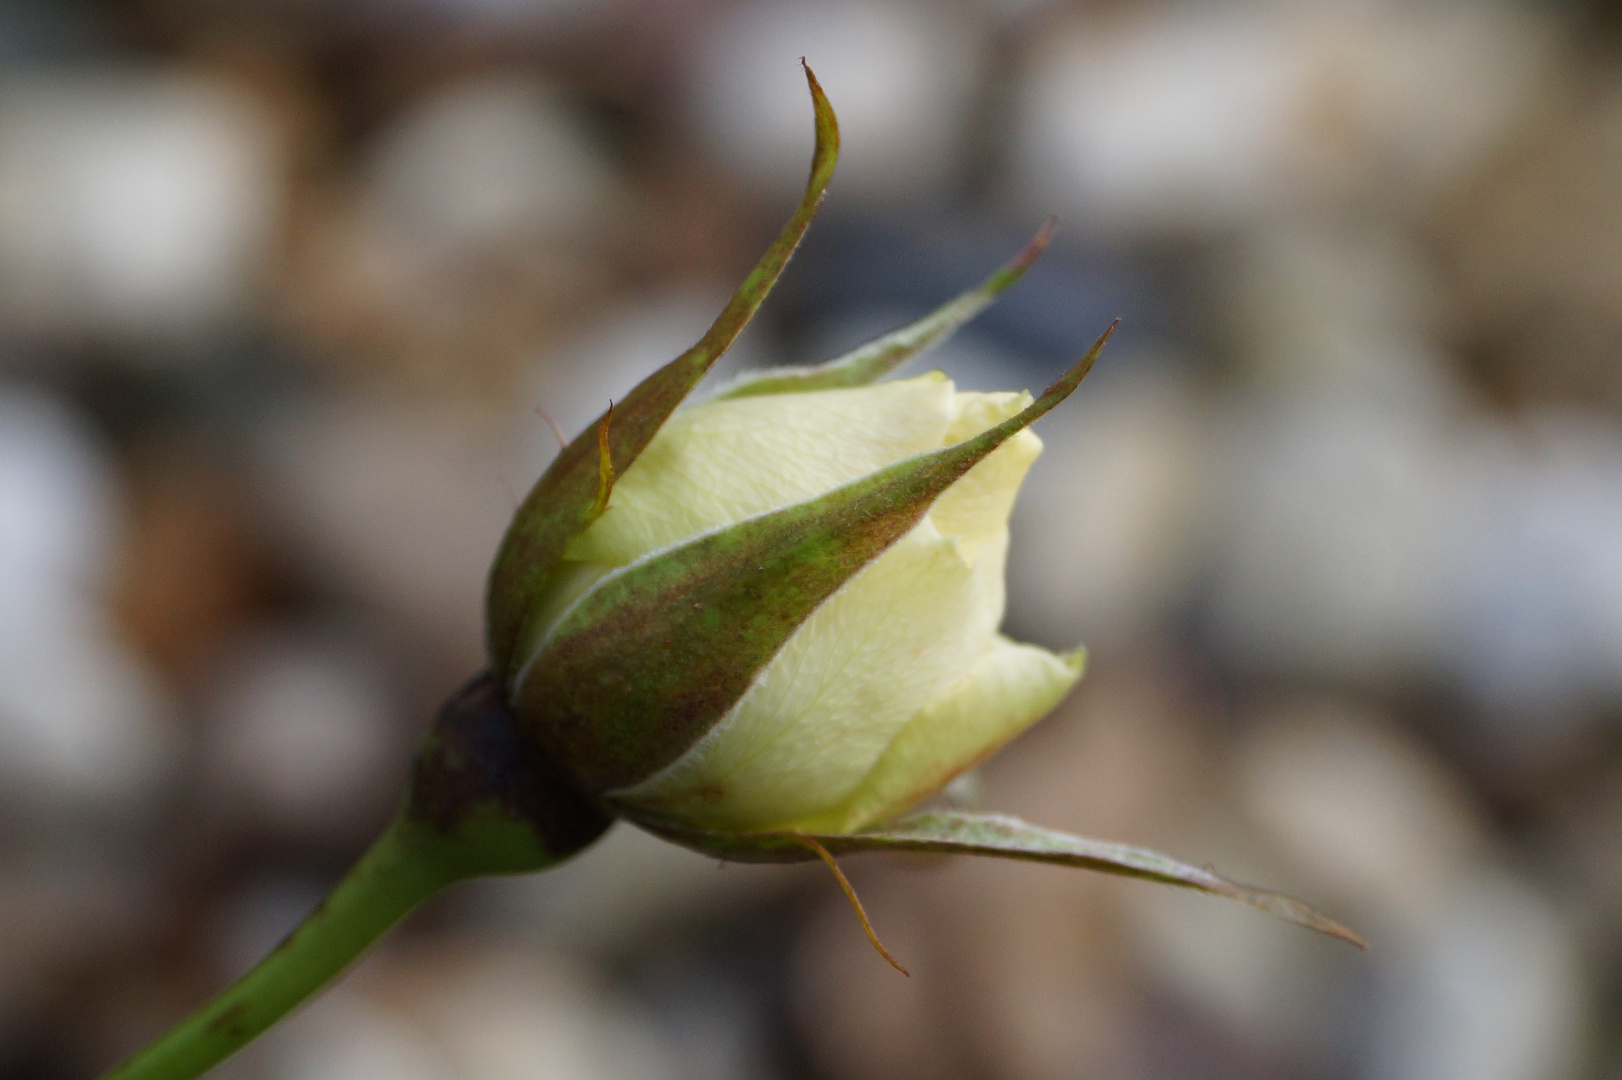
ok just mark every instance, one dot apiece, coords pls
pixel 283 286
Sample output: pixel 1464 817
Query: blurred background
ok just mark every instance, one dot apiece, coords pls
pixel 282 286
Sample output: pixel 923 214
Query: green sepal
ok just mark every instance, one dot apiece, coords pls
pixel 1001 836
pixel 883 355
pixel 565 501
pixel 657 652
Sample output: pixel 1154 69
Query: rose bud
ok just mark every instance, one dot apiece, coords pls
pixel 878 696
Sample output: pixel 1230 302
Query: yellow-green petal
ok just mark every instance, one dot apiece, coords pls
pixel 720 462
pixel 1012 687
pixel 823 711
pixel 976 508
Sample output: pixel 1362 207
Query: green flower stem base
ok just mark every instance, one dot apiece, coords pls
pixel 480 803
pixel 399 872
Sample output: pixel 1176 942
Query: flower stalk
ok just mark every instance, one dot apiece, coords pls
pixel 479 804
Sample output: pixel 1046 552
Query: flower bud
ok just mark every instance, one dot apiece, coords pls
pixel 890 686
pixel 766 625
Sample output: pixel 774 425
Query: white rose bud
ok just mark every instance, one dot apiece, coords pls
pixel 897 682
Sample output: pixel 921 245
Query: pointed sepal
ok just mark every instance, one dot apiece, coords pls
pixel 565 501
pixel 1004 837
pixel 880 357
pixel 657 652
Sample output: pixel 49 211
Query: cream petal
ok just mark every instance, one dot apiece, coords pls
pixel 1011 687
pixel 976 508
pixel 719 462
pixel 974 411
pixel 900 632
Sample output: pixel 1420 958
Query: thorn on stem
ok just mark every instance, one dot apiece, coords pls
pixel 850 894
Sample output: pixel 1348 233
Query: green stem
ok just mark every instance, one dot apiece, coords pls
pixel 400 870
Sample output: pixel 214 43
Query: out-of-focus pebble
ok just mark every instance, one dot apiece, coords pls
pixel 1167 118
pixel 1477 978
pixel 1107 529
pixel 1161 118
pixel 58 508
pixel 901 74
pixel 83 726
pixel 627 888
pixel 60 907
pixel 1418 95
pixel 402 503
pixel 132 202
pixel 487 162
pixel 82 723
pixel 1352 472
pixel 1531 247
pixel 1343 308
pixel 1275 990
pixel 473 229
pixel 1341 527
pixel 1539 637
pixel 1491 991
pixel 1374 817
pixel 345 1036
pixel 513 1013
pixel 303 736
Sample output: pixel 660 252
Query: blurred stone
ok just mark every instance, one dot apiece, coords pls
pixel 133 202
pixel 1015 972
pixel 901 74
pixel 711 1015
pixel 628 889
pixel 1273 992
pixel 1531 247
pixel 511 1013
pixel 1342 520
pixel 191 568
pixel 82 724
pixel 345 1036
pixel 1575 847
pixel 1538 641
pixel 1382 824
pixel 59 508
pixel 1491 991
pixel 475 229
pixel 1353 478
pixel 1168 118
pixel 1345 307
pixel 1413 97
pixel 1476 977
pixel 401 503
pixel 61 909
pixel 1162 117
pixel 487 162
pixel 1107 531
pixel 303 736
